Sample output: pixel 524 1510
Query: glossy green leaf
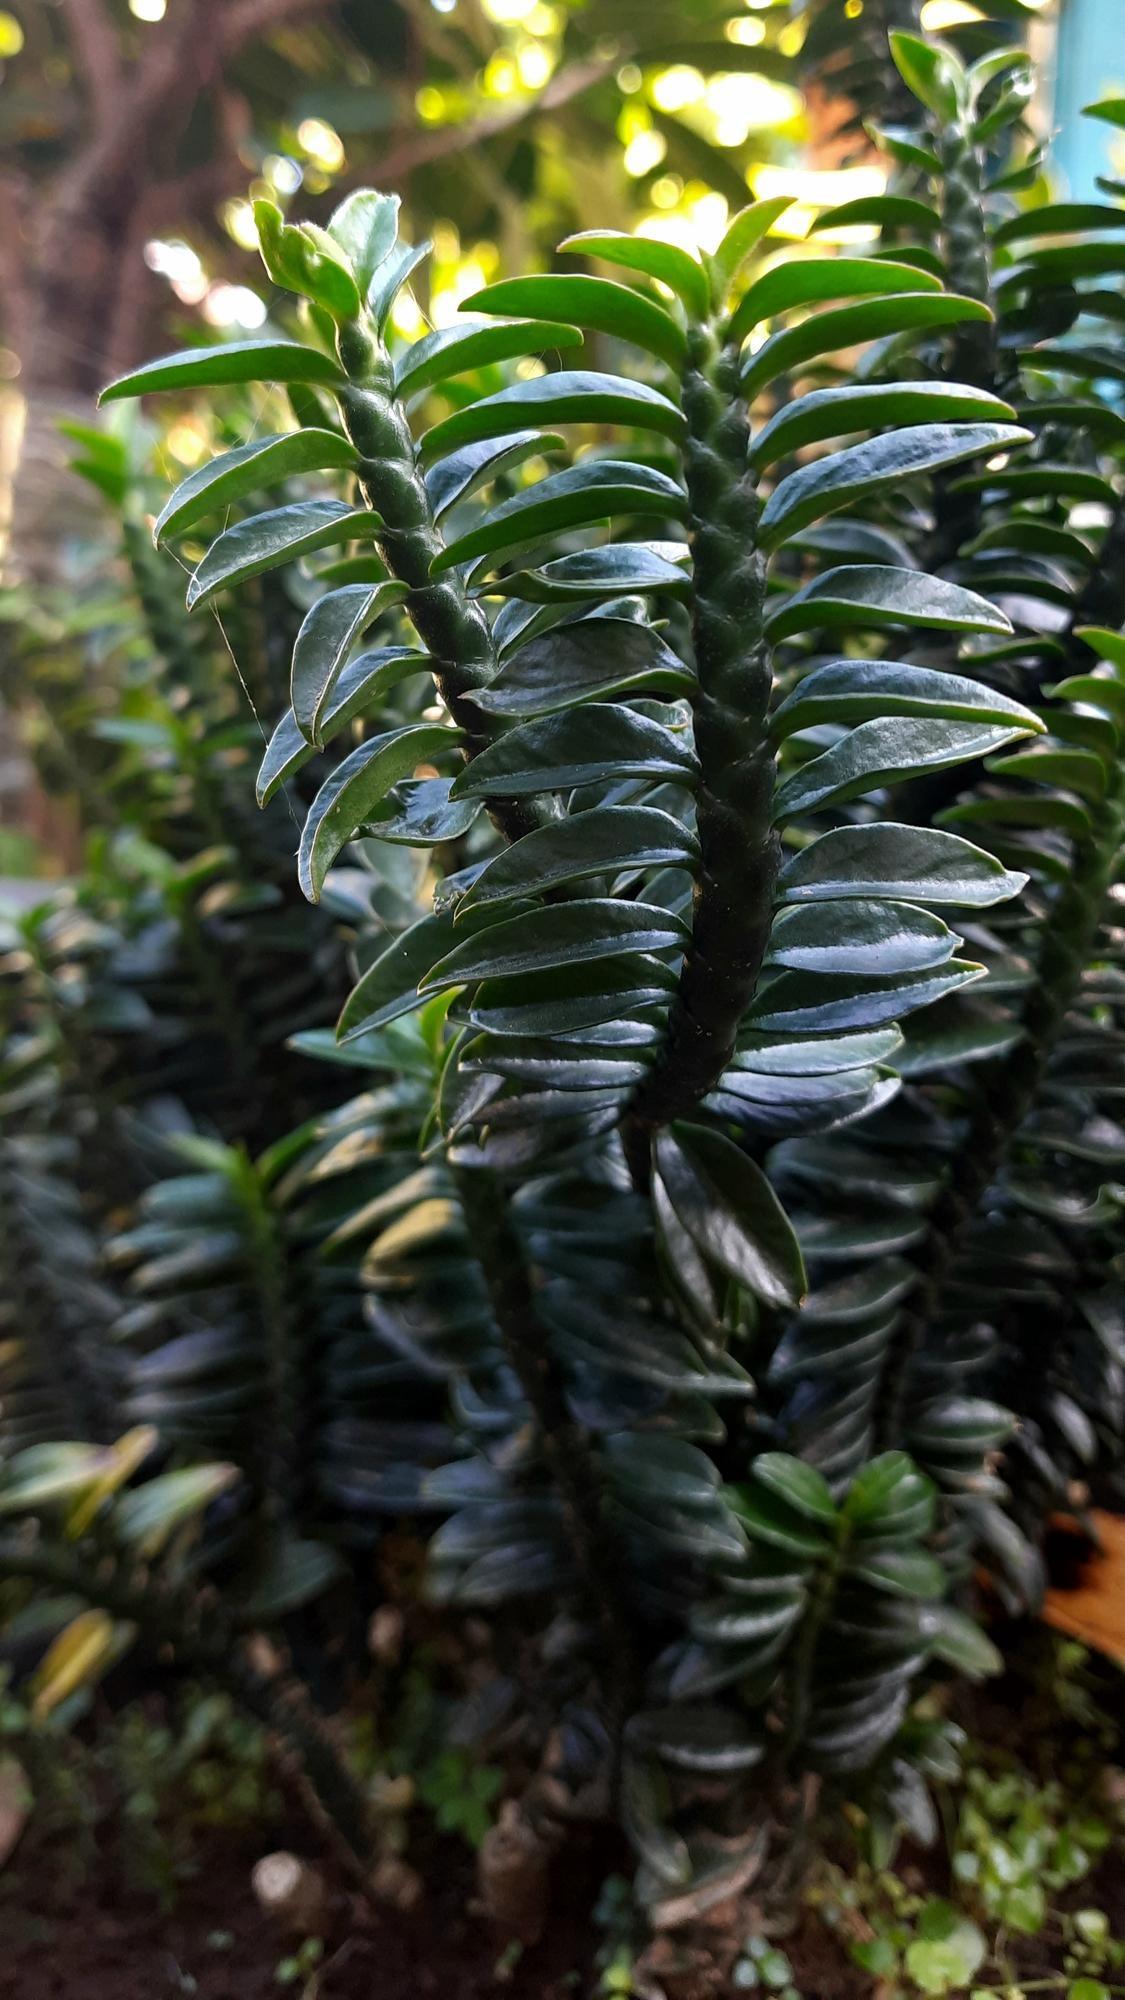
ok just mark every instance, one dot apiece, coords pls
pixel 879 753
pixel 800 281
pixel 810 1003
pixel 588 661
pixel 584 746
pixel 598 303
pixel 618 569
pixel 360 686
pixel 581 495
pixel 908 862
pixel 846 476
pixel 895 211
pixel 846 326
pixel 328 632
pixel 250 468
pixel 730 1211
pixel 743 235
pixel 233 361
pixel 931 72
pixel 573 998
pixel 420 812
pixel 860 690
pixel 365 225
pixel 672 266
pixel 347 798
pixel 459 349
pixel 454 478
pixel 563 934
pixel 856 936
pixel 801 1486
pixel 389 987
pixel 265 541
pixel 602 842
pixel 572 396
pixel 870 594
pixel 832 413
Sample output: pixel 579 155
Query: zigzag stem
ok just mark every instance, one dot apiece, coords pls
pixel 1006 1095
pixel 192 1628
pixel 734 886
pixel 973 353
pixel 565 1447
pixel 453 627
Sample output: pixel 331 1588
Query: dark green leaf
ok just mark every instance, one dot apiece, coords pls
pixel 570 397
pixel 349 796
pixel 846 326
pixel 592 491
pixel 857 936
pixel 599 303
pixel 879 753
pixel 862 690
pixel 250 468
pixel 846 476
pixel 454 478
pixel 910 862
pixel 832 413
pixel 898 211
pixel 363 681
pixel 730 1211
pixel 588 661
pixel 267 540
pixel 583 746
pixel 868 594
pixel 458 349
pixel 665 261
pixel 799 281
pixel 600 842
pixel 562 934
pixel 801 1486
pixel 234 361
pixel 329 631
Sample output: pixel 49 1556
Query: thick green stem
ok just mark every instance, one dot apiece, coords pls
pixel 452 626
pixel 1007 1091
pixel 734 886
pixel 973 354
pixel 564 1445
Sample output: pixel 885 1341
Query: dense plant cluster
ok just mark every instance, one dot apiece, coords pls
pixel 703 727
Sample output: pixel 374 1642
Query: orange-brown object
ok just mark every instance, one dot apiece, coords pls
pixel 1094 1611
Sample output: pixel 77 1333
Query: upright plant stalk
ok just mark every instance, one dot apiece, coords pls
pixel 1007 1091
pixel 564 1445
pixel 454 629
pixel 734 887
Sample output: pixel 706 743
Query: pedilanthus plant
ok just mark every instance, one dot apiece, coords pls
pixel 615 1064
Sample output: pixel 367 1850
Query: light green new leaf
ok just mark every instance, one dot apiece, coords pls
pixel 743 235
pixel 666 262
